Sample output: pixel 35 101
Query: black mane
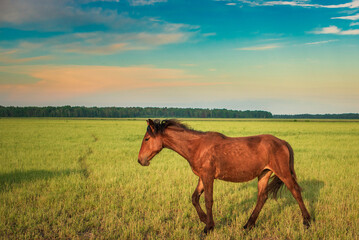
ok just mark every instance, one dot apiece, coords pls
pixel 160 126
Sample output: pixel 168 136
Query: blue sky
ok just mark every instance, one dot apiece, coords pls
pixel 282 56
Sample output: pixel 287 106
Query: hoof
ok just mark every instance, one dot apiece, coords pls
pixel 306 223
pixel 248 226
pixel 207 230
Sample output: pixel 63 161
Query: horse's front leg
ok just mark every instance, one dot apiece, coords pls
pixel 195 200
pixel 208 198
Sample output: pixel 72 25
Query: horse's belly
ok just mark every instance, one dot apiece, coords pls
pixel 239 169
pixel 240 160
pixel 236 176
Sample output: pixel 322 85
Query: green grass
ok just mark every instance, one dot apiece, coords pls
pixel 79 179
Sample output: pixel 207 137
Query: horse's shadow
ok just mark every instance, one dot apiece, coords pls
pixel 9 180
pixel 311 189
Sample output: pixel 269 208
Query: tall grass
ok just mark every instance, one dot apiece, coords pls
pixel 79 179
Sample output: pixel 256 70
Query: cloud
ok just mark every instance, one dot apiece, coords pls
pixel 353 17
pixel 258 48
pixel 328 30
pixel 307 3
pixel 61 82
pixel 320 42
pixel 354 24
pixel 301 3
pixel 97 43
pixel 12 56
pixel 67 15
pixel 160 39
pixel 337 31
pixel 123 33
pixel 99 50
pixel 108 43
pixel 350 32
pixel 52 15
pixel 23 60
pixel 145 2
pixel 209 34
pixel 289 3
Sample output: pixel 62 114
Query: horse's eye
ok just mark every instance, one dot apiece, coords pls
pixel 146 139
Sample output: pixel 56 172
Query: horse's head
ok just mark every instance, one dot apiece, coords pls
pixel 151 144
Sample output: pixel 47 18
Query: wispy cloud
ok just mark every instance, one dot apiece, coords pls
pixel 328 30
pixel 68 81
pixel 289 3
pixel 354 24
pixel 209 34
pixel 354 4
pixel 350 32
pixel 96 43
pixel 258 48
pixel 13 56
pixel 52 15
pixel 300 3
pixel 353 17
pixel 101 50
pixel 320 42
pixel 123 33
pixel 337 31
pixel 23 60
pixel 104 44
pixel 161 38
pixel 67 15
pixel 145 2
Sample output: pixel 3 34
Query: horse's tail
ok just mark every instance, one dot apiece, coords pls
pixel 275 184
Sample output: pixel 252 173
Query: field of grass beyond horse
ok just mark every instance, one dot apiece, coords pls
pixel 79 179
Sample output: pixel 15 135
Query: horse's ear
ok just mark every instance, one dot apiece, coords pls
pixel 150 127
pixel 150 122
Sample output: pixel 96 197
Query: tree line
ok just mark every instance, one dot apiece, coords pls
pixel 128 112
pixel 320 116
pixel 154 112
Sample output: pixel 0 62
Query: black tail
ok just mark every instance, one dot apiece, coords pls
pixel 275 183
pixel 274 186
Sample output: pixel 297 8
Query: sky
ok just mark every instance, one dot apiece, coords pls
pixel 286 57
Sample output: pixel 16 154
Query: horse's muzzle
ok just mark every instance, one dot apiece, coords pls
pixel 144 163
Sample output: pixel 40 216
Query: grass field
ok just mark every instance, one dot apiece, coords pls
pixel 79 179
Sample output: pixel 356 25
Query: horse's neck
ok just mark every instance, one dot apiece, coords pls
pixel 183 142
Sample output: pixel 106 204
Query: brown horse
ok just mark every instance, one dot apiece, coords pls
pixel 212 155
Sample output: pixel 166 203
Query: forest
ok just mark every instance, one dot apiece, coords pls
pixel 154 112
pixel 128 112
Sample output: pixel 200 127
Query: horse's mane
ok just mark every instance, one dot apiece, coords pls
pixel 160 126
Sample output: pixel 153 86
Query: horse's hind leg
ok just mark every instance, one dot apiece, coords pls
pixel 294 188
pixel 261 199
pixel 195 200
